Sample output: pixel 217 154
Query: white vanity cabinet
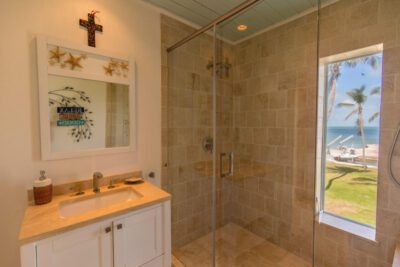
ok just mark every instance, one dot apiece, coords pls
pixel 139 238
pixel 90 246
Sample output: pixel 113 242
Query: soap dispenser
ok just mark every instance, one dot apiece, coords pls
pixel 42 189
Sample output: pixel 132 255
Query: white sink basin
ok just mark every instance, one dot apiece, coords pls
pixel 97 201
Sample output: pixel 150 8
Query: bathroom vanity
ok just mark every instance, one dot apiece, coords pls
pixel 128 225
pixel 87 108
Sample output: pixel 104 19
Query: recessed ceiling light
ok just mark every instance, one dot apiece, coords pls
pixel 242 27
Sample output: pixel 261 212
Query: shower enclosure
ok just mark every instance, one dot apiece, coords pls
pixel 243 128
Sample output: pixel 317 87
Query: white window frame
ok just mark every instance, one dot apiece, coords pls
pixel 336 221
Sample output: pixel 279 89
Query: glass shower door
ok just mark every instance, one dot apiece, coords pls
pixel 188 143
pixel 266 95
pixel 239 139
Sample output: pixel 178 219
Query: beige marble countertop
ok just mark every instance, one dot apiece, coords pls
pixel 44 220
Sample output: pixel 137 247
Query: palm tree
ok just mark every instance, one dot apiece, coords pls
pixel 358 99
pixel 375 91
pixel 335 74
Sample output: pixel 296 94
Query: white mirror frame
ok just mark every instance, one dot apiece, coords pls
pixel 44 70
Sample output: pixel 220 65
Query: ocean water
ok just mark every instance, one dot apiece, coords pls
pixel 371 136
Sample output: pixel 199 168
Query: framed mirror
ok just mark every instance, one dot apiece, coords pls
pixel 87 101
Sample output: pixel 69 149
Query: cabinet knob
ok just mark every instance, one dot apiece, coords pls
pixel 108 229
pixel 119 226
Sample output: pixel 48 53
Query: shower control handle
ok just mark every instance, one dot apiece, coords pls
pixel 230 172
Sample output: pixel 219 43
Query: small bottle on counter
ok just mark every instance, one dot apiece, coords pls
pixel 42 189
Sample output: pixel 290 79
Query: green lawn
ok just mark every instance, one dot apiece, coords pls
pixel 350 192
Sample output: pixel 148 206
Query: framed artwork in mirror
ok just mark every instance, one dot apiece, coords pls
pixel 86 99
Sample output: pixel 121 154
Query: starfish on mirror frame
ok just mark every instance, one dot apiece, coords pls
pixel 109 69
pixel 113 63
pixel 56 54
pixel 73 61
pixel 124 65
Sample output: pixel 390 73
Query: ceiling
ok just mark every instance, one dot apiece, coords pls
pixel 265 14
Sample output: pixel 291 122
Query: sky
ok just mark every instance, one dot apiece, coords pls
pixel 355 77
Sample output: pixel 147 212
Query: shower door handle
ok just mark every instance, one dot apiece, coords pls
pixel 221 159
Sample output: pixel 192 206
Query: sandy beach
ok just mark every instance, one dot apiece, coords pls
pixel 371 154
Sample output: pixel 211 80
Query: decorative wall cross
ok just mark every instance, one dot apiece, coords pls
pixel 91 27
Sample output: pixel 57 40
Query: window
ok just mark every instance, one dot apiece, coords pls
pixel 348 137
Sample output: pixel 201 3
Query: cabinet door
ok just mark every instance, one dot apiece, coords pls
pixel 138 237
pixel 90 246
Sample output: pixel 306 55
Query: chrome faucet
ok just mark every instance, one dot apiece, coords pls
pixel 96 177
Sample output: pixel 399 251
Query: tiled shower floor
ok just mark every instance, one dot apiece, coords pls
pixel 236 246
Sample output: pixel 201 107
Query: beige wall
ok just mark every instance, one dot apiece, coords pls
pixel 274 104
pixel 130 27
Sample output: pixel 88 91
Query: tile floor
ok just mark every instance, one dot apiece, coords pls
pixel 236 246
